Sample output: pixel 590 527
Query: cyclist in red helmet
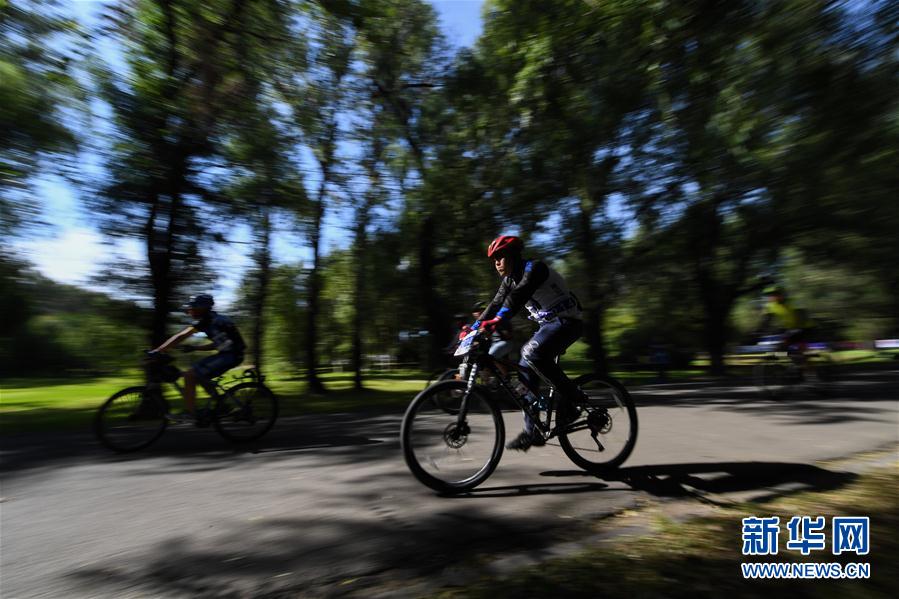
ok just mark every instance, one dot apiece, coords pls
pixel 533 285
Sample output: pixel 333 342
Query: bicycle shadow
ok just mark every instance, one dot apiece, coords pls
pixel 529 489
pixel 719 478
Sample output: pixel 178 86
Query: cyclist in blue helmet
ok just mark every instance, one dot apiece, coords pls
pixel 224 338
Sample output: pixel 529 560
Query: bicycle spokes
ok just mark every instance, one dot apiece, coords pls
pixel 131 419
pixel 605 431
pixel 246 412
pixel 451 435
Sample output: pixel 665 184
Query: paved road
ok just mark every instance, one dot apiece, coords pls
pixel 326 501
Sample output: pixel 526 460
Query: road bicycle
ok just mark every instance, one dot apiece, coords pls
pixel 241 410
pixel 453 432
pixel 785 368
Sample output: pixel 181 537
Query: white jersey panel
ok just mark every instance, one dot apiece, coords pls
pixel 553 300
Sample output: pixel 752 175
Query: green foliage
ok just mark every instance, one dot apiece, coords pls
pixel 668 157
pixel 92 341
pixel 55 328
pixel 35 85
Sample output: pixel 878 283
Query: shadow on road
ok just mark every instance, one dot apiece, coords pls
pixel 267 557
pixel 350 437
pixel 858 396
pixel 682 480
pixel 532 489
pixel 311 555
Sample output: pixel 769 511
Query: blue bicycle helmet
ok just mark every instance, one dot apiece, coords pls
pixel 203 300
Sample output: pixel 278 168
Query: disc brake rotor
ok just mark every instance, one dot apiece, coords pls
pixel 456 435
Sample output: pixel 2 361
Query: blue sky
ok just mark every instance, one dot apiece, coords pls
pixel 72 249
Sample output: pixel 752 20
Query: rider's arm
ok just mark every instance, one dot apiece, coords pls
pixel 176 339
pixel 207 347
pixel 534 275
pixel 497 300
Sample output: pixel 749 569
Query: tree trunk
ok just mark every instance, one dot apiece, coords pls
pixel 263 269
pixel 593 335
pixel 159 279
pixel 715 324
pixel 705 237
pixel 593 309
pixel 161 245
pixel 315 384
pixel 429 302
pixel 426 260
pixel 360 243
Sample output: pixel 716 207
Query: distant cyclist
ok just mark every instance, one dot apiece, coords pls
pixel 533 285
pixel 782 318
pixel 224 338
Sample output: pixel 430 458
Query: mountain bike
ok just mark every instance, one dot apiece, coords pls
pixel 786 367
pixel 241 410
pixel 455 372
pixel 453 432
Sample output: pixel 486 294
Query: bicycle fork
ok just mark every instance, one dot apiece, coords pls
pixel 462 428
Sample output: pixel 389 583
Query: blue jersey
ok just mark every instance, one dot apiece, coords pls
pixel 222 331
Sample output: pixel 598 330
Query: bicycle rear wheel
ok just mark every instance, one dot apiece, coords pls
pixel 604 432
pixel 130 420
pixel 245 412
pixel 444 454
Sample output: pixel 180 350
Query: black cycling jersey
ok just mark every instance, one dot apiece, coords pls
pixel 537 287
pixel 222 331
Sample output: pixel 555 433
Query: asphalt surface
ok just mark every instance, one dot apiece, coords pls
pixel 325 503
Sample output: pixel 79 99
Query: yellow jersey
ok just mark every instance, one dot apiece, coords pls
pixel 788 316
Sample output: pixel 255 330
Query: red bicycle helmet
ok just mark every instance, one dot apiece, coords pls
pixel 505 244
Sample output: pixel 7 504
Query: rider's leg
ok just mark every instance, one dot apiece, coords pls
pixel 203 372
pixel 539 356
pixel 500 350
pixel 190 390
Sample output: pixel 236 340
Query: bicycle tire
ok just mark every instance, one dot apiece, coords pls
pixel 441 375
pixel 484 401
pixel 626 406
pixel 226 413
pixel 156 423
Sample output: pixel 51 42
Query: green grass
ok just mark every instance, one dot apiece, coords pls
pixel 864 356
pixel 701 557
pixel 66 404
pixel 48 404
pixel 37 404
pixel 59 404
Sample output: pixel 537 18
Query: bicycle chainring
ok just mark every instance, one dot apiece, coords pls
pixel 599 421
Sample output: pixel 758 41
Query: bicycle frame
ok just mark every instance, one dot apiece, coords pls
pixel 476 360
pixel 214 388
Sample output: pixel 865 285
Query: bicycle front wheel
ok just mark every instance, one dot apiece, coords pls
pixel 245 412
pixel 131 420
pixel 604 431
pixel 445 453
